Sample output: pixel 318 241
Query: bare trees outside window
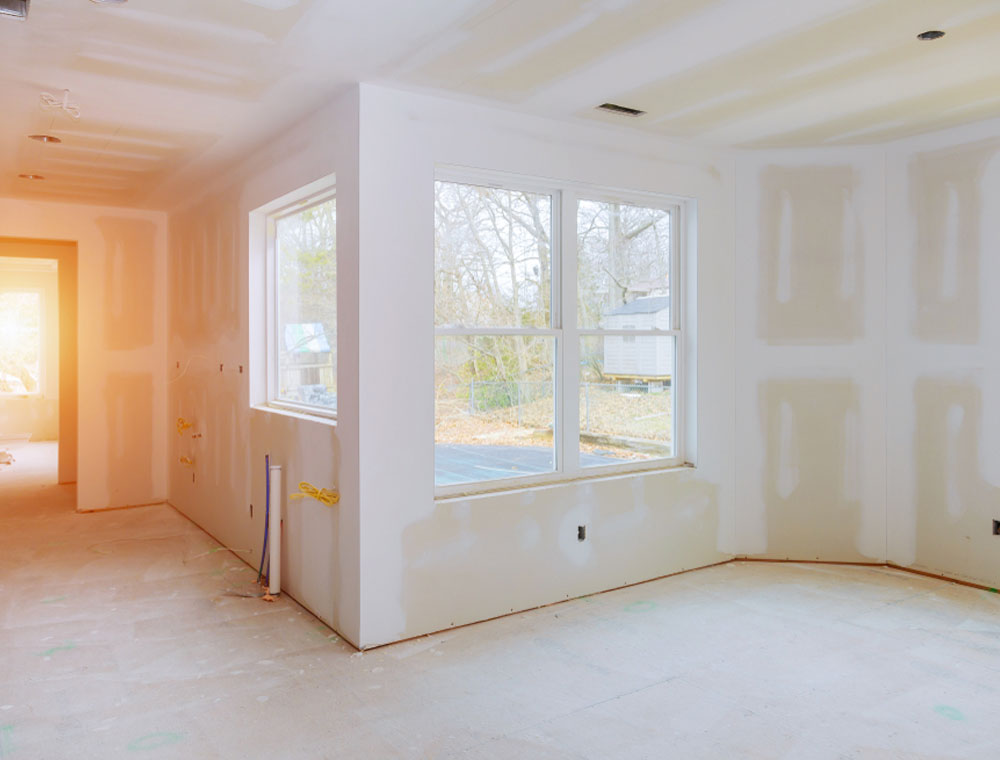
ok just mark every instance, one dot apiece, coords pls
pixel 495 355
pixel 628 349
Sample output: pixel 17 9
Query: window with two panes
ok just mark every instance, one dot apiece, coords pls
pixel 509 353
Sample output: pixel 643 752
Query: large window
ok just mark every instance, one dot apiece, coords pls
pixel 20 342
pixel 302 350
pixel 557 333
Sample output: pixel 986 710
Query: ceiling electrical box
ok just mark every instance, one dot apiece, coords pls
pixel 15 8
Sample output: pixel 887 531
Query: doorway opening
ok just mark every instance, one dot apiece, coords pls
pixel 38 366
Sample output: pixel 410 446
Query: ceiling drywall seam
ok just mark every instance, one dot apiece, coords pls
pixel 255 159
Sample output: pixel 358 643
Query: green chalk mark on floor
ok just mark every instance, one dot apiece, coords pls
pixel 154 741
pixel 6 743
pixel 641 606
pixel 69 645
pixel 949 712
pixel 52 599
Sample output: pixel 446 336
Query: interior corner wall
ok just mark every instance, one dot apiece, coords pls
pixel 810 345
pixel 217 322
pixel 37 414
pixel 943 193
pixel 867 361
pixel 430 564
pixel 121 343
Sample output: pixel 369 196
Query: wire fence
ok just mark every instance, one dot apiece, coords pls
pixel 523 396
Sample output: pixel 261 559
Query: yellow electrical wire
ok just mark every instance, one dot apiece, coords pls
pixel 322 495
pixel 182 425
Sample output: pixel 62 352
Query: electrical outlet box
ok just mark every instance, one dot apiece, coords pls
pixel 581 532
pixel 15 8
pixel 996 527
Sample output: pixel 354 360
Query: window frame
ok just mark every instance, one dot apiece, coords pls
pixel 307 198
pixel 567 334
pixel 42 331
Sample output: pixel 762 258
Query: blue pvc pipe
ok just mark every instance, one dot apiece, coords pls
pixel 267 513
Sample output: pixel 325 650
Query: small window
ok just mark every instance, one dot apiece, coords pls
pixel 20 342
pixel 302 350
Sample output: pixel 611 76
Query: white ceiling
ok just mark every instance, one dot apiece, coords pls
pixel 171 90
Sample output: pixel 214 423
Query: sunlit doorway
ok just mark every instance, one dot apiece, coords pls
pixel 29 368
pixel 38 364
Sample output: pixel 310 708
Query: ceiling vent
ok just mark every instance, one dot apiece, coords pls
pixel 15 8
pixel 620 110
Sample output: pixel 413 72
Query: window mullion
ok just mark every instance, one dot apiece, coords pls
pixel 498 331
pixel 652 332
pixel 570 365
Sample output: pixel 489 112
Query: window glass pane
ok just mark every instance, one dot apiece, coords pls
pixel 493 407
pixel 623 266
pixel 492 257
pixel 306 264
pixel 20 342
pixel 626 398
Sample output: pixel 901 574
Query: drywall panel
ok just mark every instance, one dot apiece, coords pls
pixel 944 364
pixel 111 259
pixel 36 414
pixel 813 465
pixel 810 249
pixel 430 564
pixel 947 208
pixel 809 364
pixel 217 363
pixel 471 559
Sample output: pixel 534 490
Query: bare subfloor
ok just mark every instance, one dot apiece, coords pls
pixel 123 635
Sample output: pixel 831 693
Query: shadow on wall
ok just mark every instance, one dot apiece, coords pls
pixel 128 282
pixel 812 468
pixel 811 257
pixel 946 198
pixel 955 502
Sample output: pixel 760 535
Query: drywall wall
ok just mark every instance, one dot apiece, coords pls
pixel 432 563
pixel 36 414
pixel 801 387
pixel 867 408
pixel 390 561
pixel 810 355
pixel 943 353
pixel 216 371
pixel 121 381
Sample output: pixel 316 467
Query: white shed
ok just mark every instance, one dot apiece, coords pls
pixel 642 357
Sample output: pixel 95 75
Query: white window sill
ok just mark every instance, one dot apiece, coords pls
pixel 556 480
pixel 299 414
